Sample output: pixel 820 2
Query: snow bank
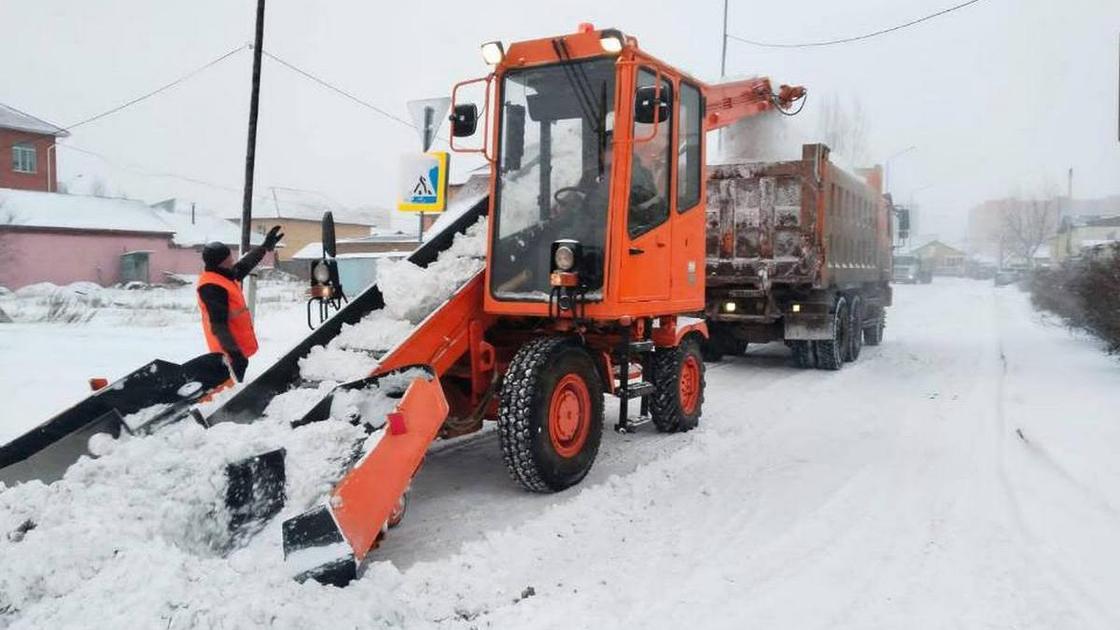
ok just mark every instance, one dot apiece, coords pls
pixel 83 302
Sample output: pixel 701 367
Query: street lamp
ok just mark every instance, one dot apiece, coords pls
pixel 887 166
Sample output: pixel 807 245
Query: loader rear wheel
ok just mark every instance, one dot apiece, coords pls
pixel 550 417
pixel 855 328
pixel 678 399
pixel 830 352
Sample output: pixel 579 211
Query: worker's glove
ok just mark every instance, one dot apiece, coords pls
pixel 273 237
pixel 237 365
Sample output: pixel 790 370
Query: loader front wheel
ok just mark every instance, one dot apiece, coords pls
pixel 678 399
pixel 550 418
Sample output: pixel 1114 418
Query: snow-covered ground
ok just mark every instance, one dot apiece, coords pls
pixel 963 474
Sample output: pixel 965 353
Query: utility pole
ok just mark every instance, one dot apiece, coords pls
pixel 723 67
pixel 251 156
pixel 723 53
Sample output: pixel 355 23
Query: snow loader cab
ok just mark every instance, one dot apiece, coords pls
pixel 594 215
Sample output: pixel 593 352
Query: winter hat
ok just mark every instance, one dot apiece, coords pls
pixel 214 253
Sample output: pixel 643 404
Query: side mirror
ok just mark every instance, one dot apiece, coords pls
pixel 649 107
pixel 515 138
pixel 330 247
pixel 464 120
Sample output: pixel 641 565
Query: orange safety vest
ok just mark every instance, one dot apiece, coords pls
pixel 240 320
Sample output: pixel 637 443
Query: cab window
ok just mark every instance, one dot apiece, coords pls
pixel 688 157
pixel 649 168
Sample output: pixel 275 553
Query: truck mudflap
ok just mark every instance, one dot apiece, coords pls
pixel 162 390
pixel 813 322
pixel 329 542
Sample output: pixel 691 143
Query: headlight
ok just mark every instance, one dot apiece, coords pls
pixel 611 41
pixel 729 307
pixel 322 273
pixel 565 258
pixel 493 52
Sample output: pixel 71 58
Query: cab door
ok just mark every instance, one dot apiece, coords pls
pixel 689 220
pixel 646 256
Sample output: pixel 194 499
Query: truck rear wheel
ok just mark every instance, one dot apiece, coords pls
pixel 550 417
pixel 803 354
pixel 855 328
pixel 679 379
pixel 873 334
pixel 830 352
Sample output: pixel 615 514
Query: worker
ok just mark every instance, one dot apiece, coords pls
pixel 226 320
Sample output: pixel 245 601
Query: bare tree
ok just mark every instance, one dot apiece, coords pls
pixel 99 188
pixel 844 129
pixel 1028 223
pixel 7 219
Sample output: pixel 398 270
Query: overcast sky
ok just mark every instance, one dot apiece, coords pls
pixel 1000 97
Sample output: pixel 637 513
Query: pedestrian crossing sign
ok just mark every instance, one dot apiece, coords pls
pixel 423 182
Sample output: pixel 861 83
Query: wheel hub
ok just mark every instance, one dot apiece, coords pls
pixel 569 415
pixel 690 384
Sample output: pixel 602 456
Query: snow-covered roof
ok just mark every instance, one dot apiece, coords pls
pixel 201 226
pixel 12 118
pixel 314 250
pixel 1090 243
pixel 306 205
pixel 28 208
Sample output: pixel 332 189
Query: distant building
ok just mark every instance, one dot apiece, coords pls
pixel 358 258
pixel 987 222
pixel 1077 235
pixel 29 161
pixel 51 237
pixel 947 261
pixel 300 214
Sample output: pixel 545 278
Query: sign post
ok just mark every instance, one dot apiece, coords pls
pixel 423 183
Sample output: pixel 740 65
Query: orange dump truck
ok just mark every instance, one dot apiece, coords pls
pixel 798 251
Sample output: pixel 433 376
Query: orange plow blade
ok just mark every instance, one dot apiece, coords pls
pixel 328 542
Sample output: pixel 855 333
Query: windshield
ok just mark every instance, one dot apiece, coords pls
pixel 554 174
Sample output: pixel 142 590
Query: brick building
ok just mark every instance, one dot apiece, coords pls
pixel 29 160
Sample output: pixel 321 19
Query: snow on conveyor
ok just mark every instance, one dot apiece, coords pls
pixel 411 293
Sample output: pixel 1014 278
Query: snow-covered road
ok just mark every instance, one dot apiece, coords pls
pixel 963 474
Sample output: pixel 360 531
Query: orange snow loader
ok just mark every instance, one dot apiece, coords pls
pixel 595 265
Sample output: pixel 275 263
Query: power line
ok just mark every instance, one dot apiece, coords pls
pixel 162 88
pixel 856 38
pixel 338 90
pixel 143 97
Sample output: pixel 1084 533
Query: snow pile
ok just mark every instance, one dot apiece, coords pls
pixel 411 293
pixel 83 302
pixel 139 533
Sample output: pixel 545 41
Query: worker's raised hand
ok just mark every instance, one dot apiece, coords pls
pixel 273 237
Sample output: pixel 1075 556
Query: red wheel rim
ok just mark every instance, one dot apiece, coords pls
pixel 569 416
pixel 690 384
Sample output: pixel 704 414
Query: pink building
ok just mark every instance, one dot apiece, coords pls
pixel 50 237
